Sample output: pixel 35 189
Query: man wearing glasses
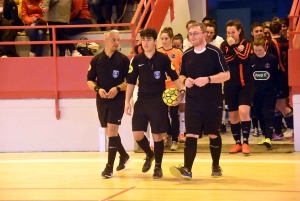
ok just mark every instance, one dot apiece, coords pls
pixel 203 70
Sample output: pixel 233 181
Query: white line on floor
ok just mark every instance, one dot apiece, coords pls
pixel 141 161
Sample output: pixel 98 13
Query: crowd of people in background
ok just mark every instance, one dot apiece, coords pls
pixel 256 91
pixel 52 12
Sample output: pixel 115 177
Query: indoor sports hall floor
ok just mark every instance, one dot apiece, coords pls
pixel 77 176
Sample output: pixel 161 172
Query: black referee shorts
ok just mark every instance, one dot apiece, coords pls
pixel 238 95
pixel 283 86
pixel 207 121
pixel 152 110
pixel 110 110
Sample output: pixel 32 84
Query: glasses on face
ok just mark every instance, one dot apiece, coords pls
pixel 258 31
pixel 194 34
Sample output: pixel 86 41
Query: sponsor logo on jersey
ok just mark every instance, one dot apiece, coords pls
pixel 173 56
pixel 115 73
pixel 140 65
pixel 253 65
pixel 267 65
pixel 261 75
pixel 157 74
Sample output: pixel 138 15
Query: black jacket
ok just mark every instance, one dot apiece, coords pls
pixel 10 12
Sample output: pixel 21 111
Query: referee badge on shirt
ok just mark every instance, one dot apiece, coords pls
pixel 157 74
pixel 115 73
pixel 173 56
pixel 267 65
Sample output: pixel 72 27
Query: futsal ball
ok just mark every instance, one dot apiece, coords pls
pixel 169 96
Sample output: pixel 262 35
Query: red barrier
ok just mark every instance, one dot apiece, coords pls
pixel 58 77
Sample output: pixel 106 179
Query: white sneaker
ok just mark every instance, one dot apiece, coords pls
pixel 289 133
pixel 174 146
pixel 255 132
pixel 76 54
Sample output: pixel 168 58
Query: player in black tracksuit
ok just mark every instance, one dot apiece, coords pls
pixel 278 46
pixel 239 89
pixel 264 67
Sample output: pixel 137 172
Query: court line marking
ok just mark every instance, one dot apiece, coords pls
pixel 121 192
pixel 241 160
pixel 158 189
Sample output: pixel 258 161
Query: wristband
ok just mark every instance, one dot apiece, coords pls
pixel 118 89
pixel 96 89
pixel 184 81
pixel 182 90
pixel 208 79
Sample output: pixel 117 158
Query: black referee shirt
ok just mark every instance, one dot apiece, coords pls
pixel 151 74
pixel 209 62
pixel 265 72
pixel 108 72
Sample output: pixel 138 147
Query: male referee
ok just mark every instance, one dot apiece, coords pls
pixel 202 72
pixel 107 77
pixel 151 68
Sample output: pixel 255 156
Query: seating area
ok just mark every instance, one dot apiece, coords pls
pixel 94 34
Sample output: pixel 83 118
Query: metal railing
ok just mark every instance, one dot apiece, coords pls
pixel 58 87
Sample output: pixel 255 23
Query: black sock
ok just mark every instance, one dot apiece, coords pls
pixel 277 122
pixel 236 132
pixel 289 120
pixel 254 122
pixel 246 126
pixel 254 118
pixel 113 143
pixel 144 144
pixel 215 146
pixel 121 149
pixel 158 152
pixel 190 150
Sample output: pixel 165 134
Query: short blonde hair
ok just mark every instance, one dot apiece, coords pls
pixel 107 34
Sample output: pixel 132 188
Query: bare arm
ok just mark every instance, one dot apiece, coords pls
pixel 129 93
pixel 102 92
pixel 181 94
pixel 218 78
pixel 91 85
pixel 186 81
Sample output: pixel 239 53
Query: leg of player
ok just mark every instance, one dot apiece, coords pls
pixel 244 111
pixel 277 135
pixel 113 143
pixel 142 141
pixel 124 157
pixel 190 151
pixel 215 144
pixel 287 112
pixel 236 131
pixel 158 154
pixel 181 123
pixel 174 128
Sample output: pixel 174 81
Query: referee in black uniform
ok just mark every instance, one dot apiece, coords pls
pixel 202 72
pixel 150 67
pixel 107 77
